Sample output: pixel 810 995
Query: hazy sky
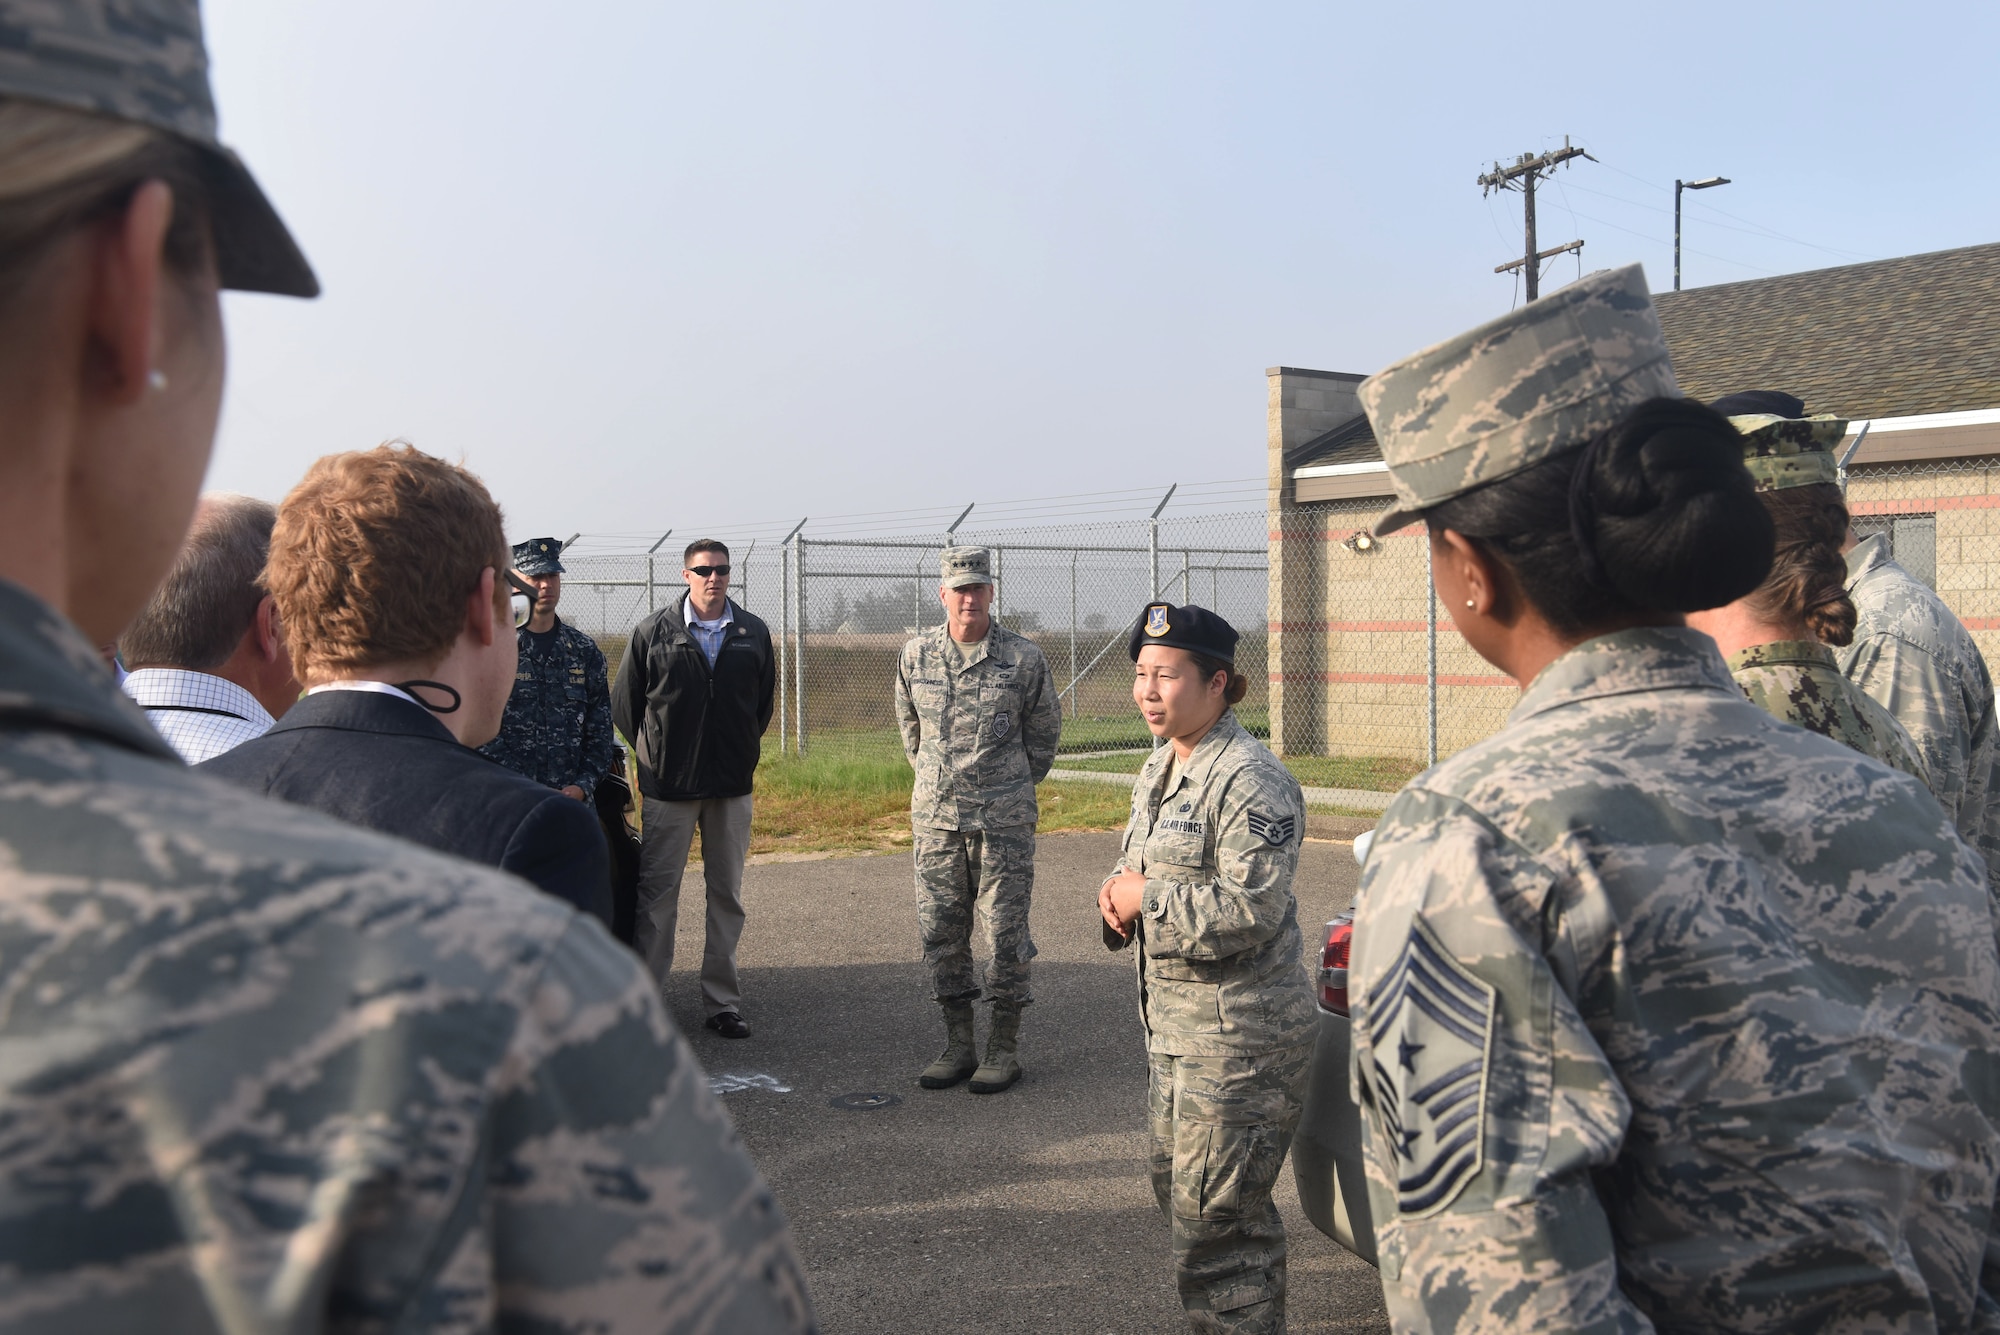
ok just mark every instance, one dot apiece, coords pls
pixel 721 266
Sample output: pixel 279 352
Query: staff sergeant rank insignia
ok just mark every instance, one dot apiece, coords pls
pixel 1274 830
pixel 1434 1020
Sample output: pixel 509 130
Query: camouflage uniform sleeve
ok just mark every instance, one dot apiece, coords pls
pixel 616 1187
pixel 1486 1103
pixel 599 748
pixel 906 708
pixel 1911 685
pixel 1259 825
pixel 1042 734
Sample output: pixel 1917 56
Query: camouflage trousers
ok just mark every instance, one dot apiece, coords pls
pixel 1221 1128
pixel 987 875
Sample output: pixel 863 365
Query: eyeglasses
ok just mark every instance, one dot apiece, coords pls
pixel 523 599
pixel 706 571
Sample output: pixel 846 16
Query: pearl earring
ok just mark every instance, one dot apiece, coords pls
pixel 1469 602
pixel 156 379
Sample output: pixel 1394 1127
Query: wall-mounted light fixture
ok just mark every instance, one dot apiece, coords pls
pixel 1360 541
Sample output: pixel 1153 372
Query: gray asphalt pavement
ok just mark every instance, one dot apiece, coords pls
pixel 1027 1211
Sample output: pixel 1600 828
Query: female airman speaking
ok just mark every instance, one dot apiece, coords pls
pixel 1205 886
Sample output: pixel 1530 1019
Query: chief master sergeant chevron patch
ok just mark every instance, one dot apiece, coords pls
pixel 1434 1020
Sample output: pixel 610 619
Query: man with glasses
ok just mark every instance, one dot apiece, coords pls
pixel 693 697
pixel 405 676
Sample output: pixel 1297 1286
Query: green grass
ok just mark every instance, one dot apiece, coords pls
pixel 850 793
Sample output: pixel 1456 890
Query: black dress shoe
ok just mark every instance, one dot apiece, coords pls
pixel 729 1024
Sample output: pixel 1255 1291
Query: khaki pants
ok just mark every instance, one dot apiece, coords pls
pixel 724 823
pixel 1221 1126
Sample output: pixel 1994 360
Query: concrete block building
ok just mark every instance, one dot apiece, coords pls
pixel 1909 346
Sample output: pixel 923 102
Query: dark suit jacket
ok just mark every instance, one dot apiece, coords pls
pixel 380 761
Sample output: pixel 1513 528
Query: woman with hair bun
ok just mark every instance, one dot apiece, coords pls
pixel 1666 1015
pixel 1204 884
pixel 1775 637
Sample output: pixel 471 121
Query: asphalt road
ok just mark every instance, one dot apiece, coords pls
pixel 1028 1211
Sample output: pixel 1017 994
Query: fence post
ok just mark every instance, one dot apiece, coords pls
pixel 799 658
pixel 649 568
pixel 1431 668
pixel 1153 539
pixel 784 645
pixel 1072 637
pixel 1187 588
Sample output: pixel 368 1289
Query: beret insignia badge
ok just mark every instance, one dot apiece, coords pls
pixel 1156 620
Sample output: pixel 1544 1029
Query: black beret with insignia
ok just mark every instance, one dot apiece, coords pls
pixel 1195 629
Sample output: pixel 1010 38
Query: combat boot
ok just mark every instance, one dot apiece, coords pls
pixel 1001 1067
pixel 961 1053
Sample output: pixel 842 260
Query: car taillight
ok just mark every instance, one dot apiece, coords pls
pixel 1333 964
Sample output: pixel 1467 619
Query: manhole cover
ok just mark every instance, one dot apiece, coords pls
pixel 865 1102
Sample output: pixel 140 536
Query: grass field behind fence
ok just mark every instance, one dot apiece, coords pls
pixel 850 793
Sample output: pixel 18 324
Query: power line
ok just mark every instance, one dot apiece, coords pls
pixel 1660 241
pixel 1754 227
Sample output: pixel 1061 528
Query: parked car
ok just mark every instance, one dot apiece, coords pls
pixel 1327 1151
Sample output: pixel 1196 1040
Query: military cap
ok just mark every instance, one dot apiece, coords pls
pixel 1195 629
pixel 144 61
pixel 538 556
pixel 960 566
pixel 1774 402
pixel 1782 447
pixel 1516 390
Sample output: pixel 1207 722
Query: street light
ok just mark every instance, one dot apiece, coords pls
pixel 1679 186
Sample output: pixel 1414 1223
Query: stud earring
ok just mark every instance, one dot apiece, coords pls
pixel 156 379
pixel 1470 603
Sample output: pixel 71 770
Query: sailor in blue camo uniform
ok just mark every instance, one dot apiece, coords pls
pixel 557 728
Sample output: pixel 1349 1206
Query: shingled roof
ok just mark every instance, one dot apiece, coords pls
pixel 1891 338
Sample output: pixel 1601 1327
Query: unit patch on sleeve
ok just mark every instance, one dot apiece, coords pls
pixel 1430 1027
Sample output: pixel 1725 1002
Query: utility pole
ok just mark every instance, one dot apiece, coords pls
pixel 1529 169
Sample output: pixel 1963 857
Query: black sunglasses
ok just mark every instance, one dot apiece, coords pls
pixel 706 571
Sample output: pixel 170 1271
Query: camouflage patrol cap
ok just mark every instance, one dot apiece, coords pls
pixel 144 61
pixel 1195 629
pixel 1516 390
pixel 538 556
pixel 960 566
pixel 1783 452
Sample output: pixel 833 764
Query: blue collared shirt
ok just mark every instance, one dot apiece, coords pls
pixel 708 634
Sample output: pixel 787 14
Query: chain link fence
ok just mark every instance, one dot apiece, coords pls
pixel 1350 658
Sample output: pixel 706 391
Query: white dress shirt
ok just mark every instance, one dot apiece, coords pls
pixel 200 716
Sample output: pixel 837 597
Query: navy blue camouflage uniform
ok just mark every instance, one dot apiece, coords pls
pixel 557 728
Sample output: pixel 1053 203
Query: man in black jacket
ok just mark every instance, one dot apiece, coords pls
pixel 388 569
pixel 693 697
